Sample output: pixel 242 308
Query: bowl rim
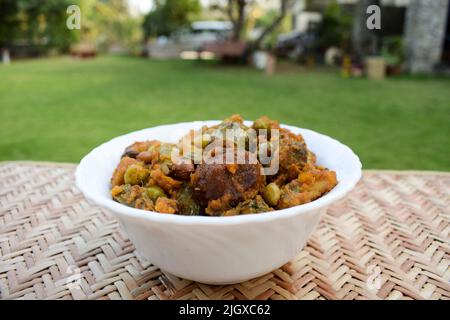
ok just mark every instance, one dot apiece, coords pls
pixel 262 217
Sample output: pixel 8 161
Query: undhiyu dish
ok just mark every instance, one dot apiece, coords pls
pixel 219 201
pixel 221 170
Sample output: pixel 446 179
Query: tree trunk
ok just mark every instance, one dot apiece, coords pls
pixel 238 21
pixel 284 7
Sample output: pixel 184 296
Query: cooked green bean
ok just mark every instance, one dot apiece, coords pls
pixel 272 194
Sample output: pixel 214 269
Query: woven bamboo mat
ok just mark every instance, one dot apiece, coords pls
pixel 388 240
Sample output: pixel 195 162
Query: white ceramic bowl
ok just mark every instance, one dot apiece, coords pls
pixel 216 250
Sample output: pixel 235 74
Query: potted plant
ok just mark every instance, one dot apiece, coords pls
pixel 393 53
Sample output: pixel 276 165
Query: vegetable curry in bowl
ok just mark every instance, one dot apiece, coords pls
pixel 222 170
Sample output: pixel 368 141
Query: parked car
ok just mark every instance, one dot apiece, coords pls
pixel 189 40
pixel 296 45
pixel 203 32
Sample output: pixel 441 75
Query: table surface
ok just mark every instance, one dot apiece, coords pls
pixel 389 239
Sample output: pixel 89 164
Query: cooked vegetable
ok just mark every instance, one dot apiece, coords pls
pixel 136 148
pixel 265 123
pixel 220 187
pixel 147 156
pixel 201 179
pixel 136 175
pixel 182 171
pixel 154 192
pixel 187 205
pixel 166 183
pixel 166 205
pixel 272 194
pixel 133 196
pixel 166 166
pixel 255 205
pixel 309 186
pixel 118 175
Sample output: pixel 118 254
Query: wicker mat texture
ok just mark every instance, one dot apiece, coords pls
pixel 389 239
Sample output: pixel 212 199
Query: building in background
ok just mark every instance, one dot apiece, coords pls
pixel 423 24
pixel 427 35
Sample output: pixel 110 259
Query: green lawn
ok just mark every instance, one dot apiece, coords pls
pixel 58 109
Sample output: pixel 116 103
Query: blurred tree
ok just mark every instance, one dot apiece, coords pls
pixel 168 16
pixel 336 27
pixel 9 10
pixel 41 25
pixel 266 20
pixel 285 6
pixel 111 25
pixel 38 23
pixel 53 15
pixel 236 14
pixel 237 10
pixel 155 24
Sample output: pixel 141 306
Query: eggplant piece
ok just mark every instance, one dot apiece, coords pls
pixel 187 205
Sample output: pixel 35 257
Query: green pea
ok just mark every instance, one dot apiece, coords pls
pixel 272 194
pixel 154 192
pixel 136 175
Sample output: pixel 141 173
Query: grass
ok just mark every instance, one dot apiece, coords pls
pixel 58 109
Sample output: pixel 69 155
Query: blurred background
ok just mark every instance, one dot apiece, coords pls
pixel 372 74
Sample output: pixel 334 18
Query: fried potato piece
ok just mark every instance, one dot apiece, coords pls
pixel 117 178
pixel 309 185
pixel 168 184
pixel 166 205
